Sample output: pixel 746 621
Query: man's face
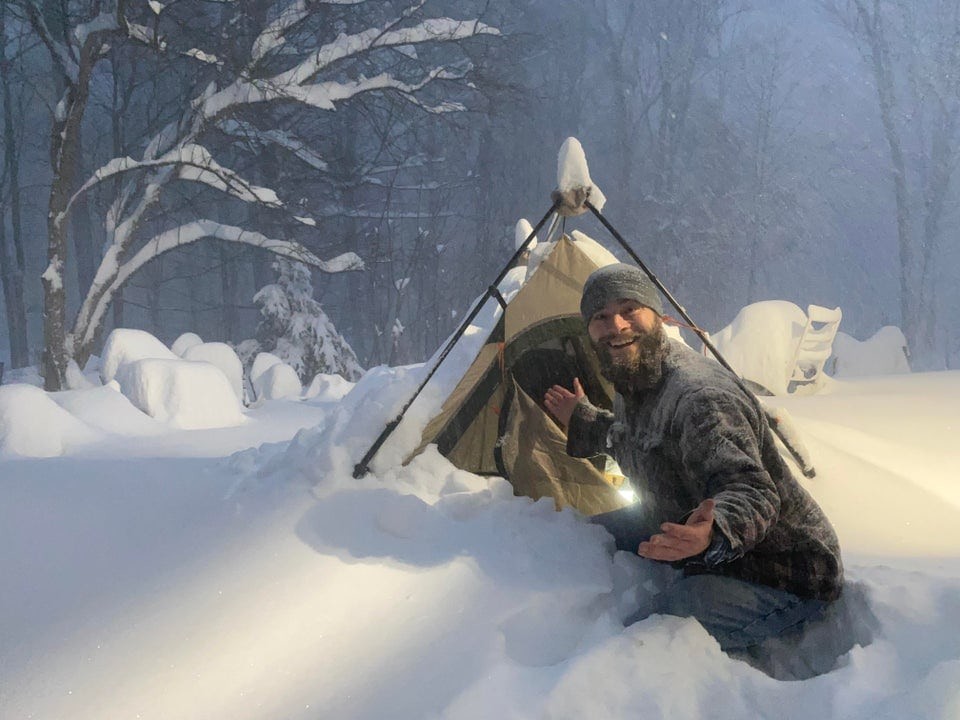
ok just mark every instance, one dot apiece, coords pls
pixel 628 339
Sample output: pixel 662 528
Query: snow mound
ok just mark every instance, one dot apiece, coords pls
pixel 883 354
pixel 261 363
pixel 33 425
pixel 328 387
pixel 221 356
pixel 126 346
pixel 183 394
pixel 278 382
pixel 185 342
pixel 521 232
pixel 105 408
pixel 761 342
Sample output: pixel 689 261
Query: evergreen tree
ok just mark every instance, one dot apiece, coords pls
pixel 294 327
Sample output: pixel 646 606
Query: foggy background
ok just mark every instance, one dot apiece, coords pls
pixel 803 151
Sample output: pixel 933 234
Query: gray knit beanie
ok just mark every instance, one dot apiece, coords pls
pixel 615 282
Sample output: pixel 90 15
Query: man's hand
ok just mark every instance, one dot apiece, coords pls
pixel 561 401
pixel 678 542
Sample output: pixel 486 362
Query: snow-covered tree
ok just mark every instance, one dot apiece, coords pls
pixel 294 327
pixel 299 55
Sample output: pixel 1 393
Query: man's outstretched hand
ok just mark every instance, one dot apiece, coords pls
pixel 561 402
pixel 678 542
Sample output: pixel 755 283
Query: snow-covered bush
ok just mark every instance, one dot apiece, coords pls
pixel 261 363
pixel 221 356
pixel 328 387
pixel 294 327
pixel 883 354
pixel 186 341
pixel 125 346
pixel 184 394
pixel 277 382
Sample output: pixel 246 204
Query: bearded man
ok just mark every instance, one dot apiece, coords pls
pixel 756 555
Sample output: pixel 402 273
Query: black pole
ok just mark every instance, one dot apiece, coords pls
pixel 805 467
pixel 361 468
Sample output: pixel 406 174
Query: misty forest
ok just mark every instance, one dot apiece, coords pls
pixel 189 165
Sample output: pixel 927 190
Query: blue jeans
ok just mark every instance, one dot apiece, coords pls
pixel 737 613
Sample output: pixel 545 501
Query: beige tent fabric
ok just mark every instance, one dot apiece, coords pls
pixel 474 451
pixel 553 291
pixel 534 451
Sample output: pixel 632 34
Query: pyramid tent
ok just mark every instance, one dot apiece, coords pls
pixel 494 421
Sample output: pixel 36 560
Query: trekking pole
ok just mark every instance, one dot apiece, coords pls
pixel 805 467
pixel 362 467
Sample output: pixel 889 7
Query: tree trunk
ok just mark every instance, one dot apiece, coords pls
pixel 13 257
pixel 65 161
pixel 230 294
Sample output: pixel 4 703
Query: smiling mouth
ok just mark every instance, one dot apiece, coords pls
pixel 620 345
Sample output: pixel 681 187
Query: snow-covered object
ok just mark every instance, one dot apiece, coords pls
pixel 261 363
pixel 593 249
pixel 106 409
pixel 125 345
pixel 761 342
pixel 183 394
pixel 223 357
pixel 184 342
pixel 76 378
pixel 521 232
pixel 328 387
pixel 278 382
pixel 573 173
pixel 883 354
pixel 33 425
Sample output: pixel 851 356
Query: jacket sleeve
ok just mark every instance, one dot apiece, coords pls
pixel 587 433
pixel 720 433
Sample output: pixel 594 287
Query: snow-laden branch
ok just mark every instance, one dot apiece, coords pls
pixel 272 36
pixel 288 141
pixel 324 95
pixel 193 162
pixel 429 30
pixel 297 82
pixel 95 305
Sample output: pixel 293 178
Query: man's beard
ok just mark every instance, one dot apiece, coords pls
pixel 641 370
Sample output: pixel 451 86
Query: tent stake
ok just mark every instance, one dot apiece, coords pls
pixel 805 467
pixel 362 467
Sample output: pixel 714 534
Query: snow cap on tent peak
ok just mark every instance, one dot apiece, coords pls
pixel 574 185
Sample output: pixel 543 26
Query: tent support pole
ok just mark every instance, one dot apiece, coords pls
pixel 805 467
pixel 362 467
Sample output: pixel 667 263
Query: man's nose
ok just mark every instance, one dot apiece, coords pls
pixel 619 323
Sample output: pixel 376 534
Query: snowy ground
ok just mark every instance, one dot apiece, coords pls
pixel 152 573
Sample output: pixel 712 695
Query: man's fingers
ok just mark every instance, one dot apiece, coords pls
pixel 578 388
pixel 658 551
pixel 665 544
pixel 685 532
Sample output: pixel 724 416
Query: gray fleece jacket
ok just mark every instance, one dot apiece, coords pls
pixel 698 435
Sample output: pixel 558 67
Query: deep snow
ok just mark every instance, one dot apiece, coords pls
pixel 156 579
